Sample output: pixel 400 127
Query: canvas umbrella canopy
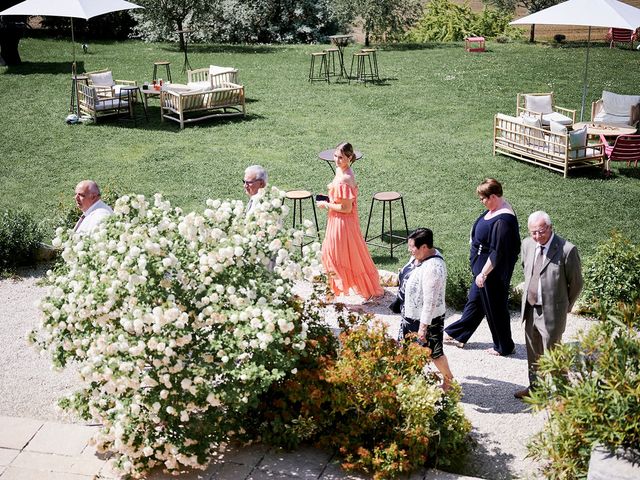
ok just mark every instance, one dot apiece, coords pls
pixel 586 13
pixel 85 9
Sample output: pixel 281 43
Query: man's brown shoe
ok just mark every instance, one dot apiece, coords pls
pixel 520 394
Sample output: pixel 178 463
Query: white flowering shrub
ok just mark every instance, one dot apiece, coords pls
pixel 178 322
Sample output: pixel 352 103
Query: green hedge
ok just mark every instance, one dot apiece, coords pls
pixel 20 236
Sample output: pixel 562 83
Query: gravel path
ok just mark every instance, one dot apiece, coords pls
pixel 501 424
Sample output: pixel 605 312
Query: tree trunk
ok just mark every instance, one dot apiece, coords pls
pixel 366 37
pixel 10 34
pixel 532 34
pixel 11 30
pixel 180 35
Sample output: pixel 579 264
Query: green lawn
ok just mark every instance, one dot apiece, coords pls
pixel 426 132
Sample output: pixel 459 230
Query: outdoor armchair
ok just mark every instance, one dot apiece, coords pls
pixel 96 106
pixel 621 35
pixel 541 105
pixel 614 109
pixel 105 85
pixel 625 149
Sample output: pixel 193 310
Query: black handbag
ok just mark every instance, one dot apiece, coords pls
pixel 395 306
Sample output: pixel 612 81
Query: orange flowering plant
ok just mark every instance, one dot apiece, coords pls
pixel 369 399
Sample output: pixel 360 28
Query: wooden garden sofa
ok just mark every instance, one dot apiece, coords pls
pixel 183 104
pixel 512 137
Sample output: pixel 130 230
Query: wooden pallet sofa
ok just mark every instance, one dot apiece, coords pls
pixel 560 151
pixel 184 105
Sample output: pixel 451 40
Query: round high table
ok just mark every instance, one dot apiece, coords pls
pixel 341 41
pixel 327 156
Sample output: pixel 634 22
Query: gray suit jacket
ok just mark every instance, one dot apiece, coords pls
pixel 560 277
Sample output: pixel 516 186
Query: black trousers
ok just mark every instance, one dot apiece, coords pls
pixel 492 302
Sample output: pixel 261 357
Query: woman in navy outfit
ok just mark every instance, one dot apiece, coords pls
pixel 495 244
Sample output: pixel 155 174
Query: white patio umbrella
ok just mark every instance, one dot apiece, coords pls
pixel 85 9
pixel 586 13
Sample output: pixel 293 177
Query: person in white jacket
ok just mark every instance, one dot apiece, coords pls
pixel 93 209
pixel 421 295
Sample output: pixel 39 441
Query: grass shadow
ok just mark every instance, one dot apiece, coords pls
pixel 153 124
pixel 629 172
pixel 39 68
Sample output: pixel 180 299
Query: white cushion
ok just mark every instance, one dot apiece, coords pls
pixel 215 70
pixel 534 136
pixel 199 86
pixel 104 79
pixel 557 118
pixel 538 103
pixel 578 138
pixel 557 128
pixel 556 142
pixel 615 104
pixel 111 104
pixel 604 117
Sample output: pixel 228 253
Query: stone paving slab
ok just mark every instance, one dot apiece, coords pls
pixel 305 463
pixel 16 432
pixel 47 440
pixel 52 451
pixel 7 455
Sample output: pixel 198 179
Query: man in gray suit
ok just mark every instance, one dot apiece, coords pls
pixel 552 283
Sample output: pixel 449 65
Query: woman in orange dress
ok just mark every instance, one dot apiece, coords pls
pixel 345 256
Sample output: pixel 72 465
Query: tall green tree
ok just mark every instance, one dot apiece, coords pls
pixel 236 21
pixel 532 6
pixel 166 17
pixel 379 18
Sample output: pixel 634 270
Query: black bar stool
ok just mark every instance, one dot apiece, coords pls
pixel 332 52
pixel 161 64
pixel 298 196
pixel 387 197
pixel 321 73
pixel 374 55
pixel 362 75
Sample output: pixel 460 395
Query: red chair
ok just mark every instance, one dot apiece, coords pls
pixel 622 35
pixel 625 149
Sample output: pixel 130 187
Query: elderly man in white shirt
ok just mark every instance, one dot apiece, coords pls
pixel 421 295
pixel 93 209
pixel 255 180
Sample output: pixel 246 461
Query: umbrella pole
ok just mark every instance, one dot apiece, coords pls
pixel 73 45
pixel 584 83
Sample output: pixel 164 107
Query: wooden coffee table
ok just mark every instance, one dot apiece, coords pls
pixel 606 129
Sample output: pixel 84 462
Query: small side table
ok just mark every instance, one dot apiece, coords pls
pixel 474 44
pixel 132 93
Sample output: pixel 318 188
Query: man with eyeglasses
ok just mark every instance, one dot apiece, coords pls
pixel 552 283
pixel 255 179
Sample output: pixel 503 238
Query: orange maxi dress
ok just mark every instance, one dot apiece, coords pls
pixel 344 253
